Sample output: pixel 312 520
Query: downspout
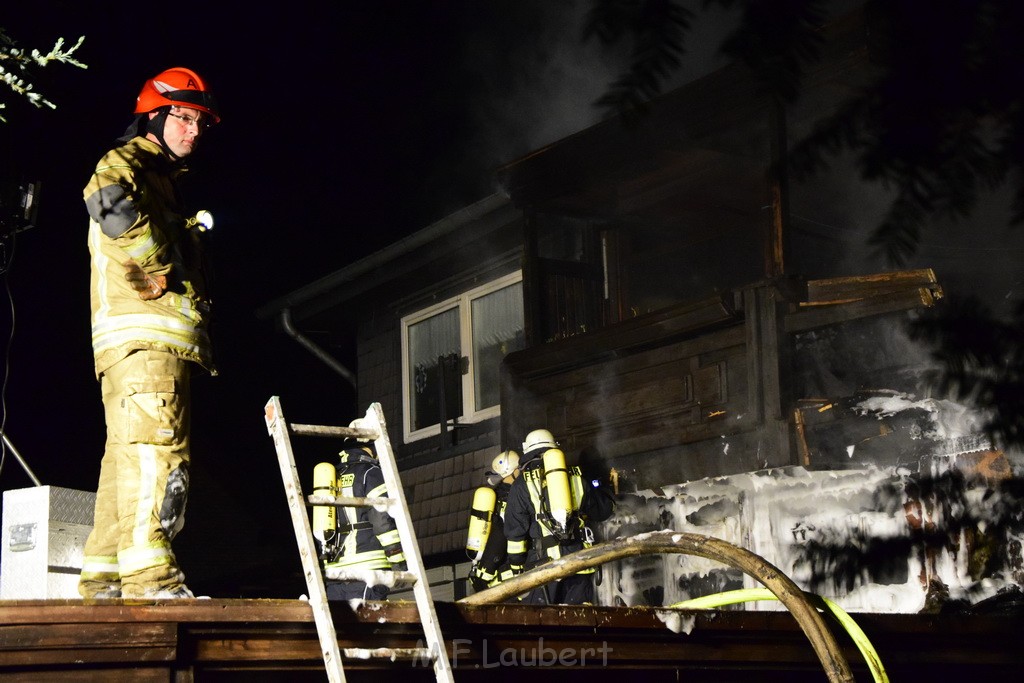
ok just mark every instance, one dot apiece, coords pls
pixel 328 359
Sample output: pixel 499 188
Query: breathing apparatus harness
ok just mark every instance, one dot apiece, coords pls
pixel 335 537
pixel 556 491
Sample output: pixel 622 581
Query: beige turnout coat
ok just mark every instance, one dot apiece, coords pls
pixel 135 214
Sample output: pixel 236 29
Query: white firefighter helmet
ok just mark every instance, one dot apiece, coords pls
pixel 505 463
pixel 539 438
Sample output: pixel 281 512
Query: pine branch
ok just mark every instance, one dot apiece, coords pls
pixel 15 67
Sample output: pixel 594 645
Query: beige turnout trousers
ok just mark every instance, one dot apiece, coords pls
pixel 143 484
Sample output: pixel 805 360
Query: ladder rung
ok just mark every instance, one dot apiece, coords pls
pixel 391 653
pixel 326 430
pixel 347 501
pixel 389 577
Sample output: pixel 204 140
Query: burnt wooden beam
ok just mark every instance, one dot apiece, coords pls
pixel 811 317
pixel 837 290
pixel 532 323
pixel 766 384
pixel 778 194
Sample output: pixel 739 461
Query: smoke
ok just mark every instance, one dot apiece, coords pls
pixel 835 212
pixel 980 255
pixel 833 215
pixel 536 79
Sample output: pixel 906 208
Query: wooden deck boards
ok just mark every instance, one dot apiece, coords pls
pixel 257 640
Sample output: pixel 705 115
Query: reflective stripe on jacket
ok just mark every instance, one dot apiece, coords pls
pixel 133 188
pixel 371 539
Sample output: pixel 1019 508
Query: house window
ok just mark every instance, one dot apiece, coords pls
pixel 451 354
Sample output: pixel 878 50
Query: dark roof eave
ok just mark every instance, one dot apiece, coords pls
pixel 352 272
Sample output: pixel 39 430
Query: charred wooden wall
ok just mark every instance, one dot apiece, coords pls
pixel 652 396
pixel 696 390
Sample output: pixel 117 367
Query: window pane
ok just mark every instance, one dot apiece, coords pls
pixel 497 330
pixel 434 354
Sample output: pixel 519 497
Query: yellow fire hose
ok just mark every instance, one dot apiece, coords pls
pixel 789 594
pixel 858 636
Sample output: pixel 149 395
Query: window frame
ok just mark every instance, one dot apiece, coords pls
pixel 464 304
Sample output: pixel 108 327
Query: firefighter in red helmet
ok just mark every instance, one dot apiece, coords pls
pixel 150 321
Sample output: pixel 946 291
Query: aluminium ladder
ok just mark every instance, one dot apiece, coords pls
pixel 371 427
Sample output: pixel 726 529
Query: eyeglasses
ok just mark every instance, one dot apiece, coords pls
pixel 186 120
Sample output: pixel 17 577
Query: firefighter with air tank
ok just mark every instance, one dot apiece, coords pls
pixel 546 517
pixel 486 544
pixel 360 540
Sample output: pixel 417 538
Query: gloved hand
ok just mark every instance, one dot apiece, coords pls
pixel 400 566
pixel 148 286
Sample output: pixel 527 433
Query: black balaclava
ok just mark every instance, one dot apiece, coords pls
pixel 143 124
pixel 136 128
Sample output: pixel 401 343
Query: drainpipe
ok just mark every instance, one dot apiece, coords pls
pixel 286 323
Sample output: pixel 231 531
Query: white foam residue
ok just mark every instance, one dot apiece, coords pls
pixel 371 653
pixel 948 419
pixel 902 598
pixel 783 513
pixel 371 577
pixel 677 622
pixel 887 406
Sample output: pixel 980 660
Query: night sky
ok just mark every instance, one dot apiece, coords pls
pixel 345 126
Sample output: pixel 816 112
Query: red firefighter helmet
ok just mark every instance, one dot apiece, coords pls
pixel 177 86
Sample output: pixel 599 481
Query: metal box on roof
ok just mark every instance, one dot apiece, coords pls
pixel 44 533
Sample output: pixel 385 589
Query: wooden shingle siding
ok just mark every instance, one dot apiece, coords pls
pixel 440 495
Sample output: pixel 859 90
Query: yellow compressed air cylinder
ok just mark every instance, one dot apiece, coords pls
pixel 556 481
pixel 324 516
pixel 480 521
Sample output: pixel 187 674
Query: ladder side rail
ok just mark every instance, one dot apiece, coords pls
pixel 278 429
pixel 407 536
